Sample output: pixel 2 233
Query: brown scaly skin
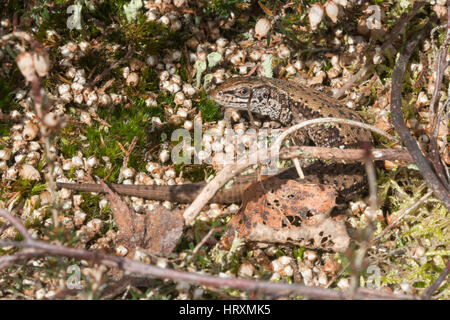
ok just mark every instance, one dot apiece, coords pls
pixel 288 103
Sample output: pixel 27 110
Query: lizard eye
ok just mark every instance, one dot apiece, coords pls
pixel 265 95
pixel 243 91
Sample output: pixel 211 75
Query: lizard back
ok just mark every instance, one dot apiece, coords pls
pixel 290 103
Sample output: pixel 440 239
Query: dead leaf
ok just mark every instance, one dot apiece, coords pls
pixel 131 232
pixel 164 229
pixel 265 9
pixel 158 231
pixel 327 235
pixel 276 210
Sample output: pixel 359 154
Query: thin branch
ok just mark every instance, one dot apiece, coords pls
pixel 230 171
pixel 403 214
pixel 397 118
pixel 435 285
pixel 25 254
pixel 203 241
pixel 434 151
pixel 372 180
pixel 17 34
pixel 367 233
pixel 7 118
pixel 441 64
pixel 16 223
pixel 145 270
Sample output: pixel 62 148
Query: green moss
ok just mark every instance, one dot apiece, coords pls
pixel 127 122
pixel 209 109
pixel 68 143
pixel 223 8
pixel 13 81
pixel 28 188
pixel 298 252
pixel 148 81
pixel 194 173
pixel 92 59
pixel 109 8
pixel 147 36
pixel 90 205
pixel 4 132
pixel 52 18
pixel 124 130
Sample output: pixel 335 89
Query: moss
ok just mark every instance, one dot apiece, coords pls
pixel 148 81
pixel 93 60
pixel 223 8
pixel 209 109
pixel 107 9
pixel 28 188
pixel 8 85
pixel 90 205
pixel 105 143
pixel 147 36
pixel 298 252
pixel 52 18
pixel 68 143
pixel 13 7
pixel 194 173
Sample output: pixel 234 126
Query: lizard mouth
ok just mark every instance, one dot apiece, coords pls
pixel 225 100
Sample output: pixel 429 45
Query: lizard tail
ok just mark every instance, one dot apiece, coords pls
pixel 185 193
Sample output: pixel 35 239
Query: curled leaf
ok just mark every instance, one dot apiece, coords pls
pixel 286 211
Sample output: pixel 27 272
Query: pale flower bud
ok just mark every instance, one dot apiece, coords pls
pixel 332 10
pixel 315 15
pixel 41 63
pixel 29 172
pixel 262 28
pixel 25 63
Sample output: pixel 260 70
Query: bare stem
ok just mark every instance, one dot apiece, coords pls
pixel 36 248
pixel 423 164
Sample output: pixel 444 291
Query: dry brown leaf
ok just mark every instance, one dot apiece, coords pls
pixel 164 229
pixel 158 231
pixel 265 9
pixel 327 235
pixel 130 232
pixel 276 210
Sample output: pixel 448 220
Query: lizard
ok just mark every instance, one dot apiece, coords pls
pixel 288 103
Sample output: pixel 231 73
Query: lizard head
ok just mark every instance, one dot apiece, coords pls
pixel 246 93
pixel 233 93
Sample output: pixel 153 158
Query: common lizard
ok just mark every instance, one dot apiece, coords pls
pixel 288 103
